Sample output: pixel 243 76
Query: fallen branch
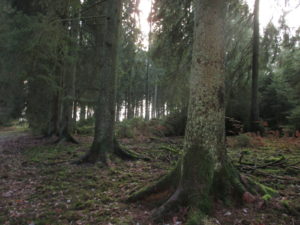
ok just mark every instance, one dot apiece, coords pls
pixel 253 167
pixel 170 149
pixel 277 177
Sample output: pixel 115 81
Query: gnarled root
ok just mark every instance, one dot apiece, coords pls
pixel 167 182
pixel 127 154
pixel 174 201
pixel 66 138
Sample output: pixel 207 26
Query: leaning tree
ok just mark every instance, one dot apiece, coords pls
pixel 204 173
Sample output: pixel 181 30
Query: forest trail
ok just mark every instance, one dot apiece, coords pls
pixel 17 182
pixel 8 136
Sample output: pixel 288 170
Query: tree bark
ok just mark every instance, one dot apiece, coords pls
pixel 147 106
pixel 107 43
pixel 69 80
pixel 204 171
pixel 254 114
pixel 82 114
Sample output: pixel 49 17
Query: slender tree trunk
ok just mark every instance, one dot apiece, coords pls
pixel 254 114
pixel 136 108
pixel 147 109
pixel 154 106
pixel 82 115
pixel 75 109
pixel 142 108
pixel 69 79
pixel 147 106
pixel 118 109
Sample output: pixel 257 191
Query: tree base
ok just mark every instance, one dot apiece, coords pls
pixel 97 153
pixel 228 186
pixel 66 138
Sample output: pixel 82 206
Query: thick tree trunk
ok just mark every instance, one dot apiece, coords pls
pixel 254 114
pixel 205 131
pixel 204 169
pixel 107 42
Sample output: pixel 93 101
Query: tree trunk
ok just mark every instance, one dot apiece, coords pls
pixel 205 132
pixel 82 112
pixel 204 169
pixel 154 105
pixel 69 78
pixel 147 106
pixel 107 42
pixel 75 108
pixel 118 111
pixel 130 102
pixel 142 108
pixel 254 114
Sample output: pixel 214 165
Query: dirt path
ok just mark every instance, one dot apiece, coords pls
pixel 7 137
pixel 17 182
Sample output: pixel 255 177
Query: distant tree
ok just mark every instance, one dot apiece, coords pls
pixel 254 114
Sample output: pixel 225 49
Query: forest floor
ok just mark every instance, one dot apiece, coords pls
pixel 40 186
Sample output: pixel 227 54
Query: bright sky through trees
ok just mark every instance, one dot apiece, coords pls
pixel 269 10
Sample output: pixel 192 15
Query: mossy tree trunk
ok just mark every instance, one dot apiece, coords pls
pixel 205 130
pixel 204 171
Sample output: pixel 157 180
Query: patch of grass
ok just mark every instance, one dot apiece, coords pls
pixel 49 154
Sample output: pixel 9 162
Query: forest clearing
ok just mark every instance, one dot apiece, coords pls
pixel 150 112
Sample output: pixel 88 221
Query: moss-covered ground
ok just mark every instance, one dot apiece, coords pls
pixel 40 185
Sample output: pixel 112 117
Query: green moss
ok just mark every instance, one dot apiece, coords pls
pixel 266 197
pixel 258 188
pixel 273 159
pixel 195 217
pixel 267 190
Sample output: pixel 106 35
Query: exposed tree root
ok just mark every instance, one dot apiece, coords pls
pixel 167 182
pixel 174 201
pixel 127 154
pixel 66 138
pixel 103 155
pixel 227 186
